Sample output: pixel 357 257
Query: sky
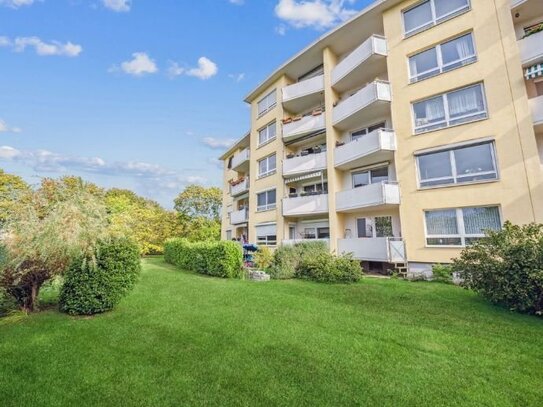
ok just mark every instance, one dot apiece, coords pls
pixel 141 94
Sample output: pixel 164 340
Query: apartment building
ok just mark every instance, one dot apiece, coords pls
pixel 399 136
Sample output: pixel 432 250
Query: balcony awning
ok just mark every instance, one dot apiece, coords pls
pixel 317 174
pixel 534 71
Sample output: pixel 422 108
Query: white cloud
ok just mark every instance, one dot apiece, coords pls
pixel 217 144
pixel 4 128
pixel 281 29
pixel 237 2
pixel 140 64
pixel 42 48
pixel 237 77
pixel 16 3
pixel 175 70
pixel 206 69
pixel 120 6
pixel 319 14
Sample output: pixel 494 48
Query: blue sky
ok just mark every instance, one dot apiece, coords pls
pixel 141 94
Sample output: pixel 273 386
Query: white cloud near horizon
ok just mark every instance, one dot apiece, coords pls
pixel 4 128
pixel 237 2
pixel 119 6
pixel 140 64
pixel 318 14
pixel 206 69
pixel 218 144
pixel 42 48
pixel 16 3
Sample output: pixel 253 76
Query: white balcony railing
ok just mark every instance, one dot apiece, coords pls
pixel 379 145
pixel 531 49
pixel 376 45
pixel 240 188
pixel 306 125
pixel 378 91
pixel 384 249
pixel 372 195
pixel 308 163
pixel 303 88
pixel 305 205
pixel 240 159
pixel 238 217
pixel 291 242
pixel 536 104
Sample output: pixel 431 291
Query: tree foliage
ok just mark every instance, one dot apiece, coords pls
pixel 11 189
pixel 199 202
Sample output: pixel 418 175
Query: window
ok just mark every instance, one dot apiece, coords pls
pixel 459 165
pixel 268 133
pixel 363 178
pixel 364 228
pixel 230 162
pixel 267 166
pixel 431 12
pixel 453 108
pixel 228 235
pixel 316 189
pixel 355 135
pixel 317 233
pixel 538 88
pixel 266 234
pixel 319 70
pixel 460 227
pixel 266 200
pixel 383 226
pixel 267 103
pixel 442 58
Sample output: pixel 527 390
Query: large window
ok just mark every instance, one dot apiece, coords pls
pixel 380 226
pixel 266 200
pixel 268 133
pixel 460 227
pixel 355 135
pixel 267 166
pixel 363 178
pixel 442 58
pixel 267 103
pixel 458 165
pixel 457 107
pixel 316 233
pixel 431 12
pixel 266 234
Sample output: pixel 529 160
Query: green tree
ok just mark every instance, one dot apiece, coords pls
pixel 11 188
pixel 197 201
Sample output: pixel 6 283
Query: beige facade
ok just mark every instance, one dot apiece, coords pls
pixel 399 136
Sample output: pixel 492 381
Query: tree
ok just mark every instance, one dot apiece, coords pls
pixel 46 230
pixel 11 188
pixel 197 201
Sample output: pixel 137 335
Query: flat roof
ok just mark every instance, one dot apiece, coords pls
pixel 239 143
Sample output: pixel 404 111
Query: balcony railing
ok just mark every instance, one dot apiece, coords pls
pixel 383 249
pixel 305 205
pixel 531 49
pixel 240 188
pixel 376 146
pixel 369 196
pixel 369 102
pixel 303 88
pixel 536 104
pixel 306 125
pixel 240 160
pixel 239 217
pixel 305 163
pixel 363 64
pixel 292 242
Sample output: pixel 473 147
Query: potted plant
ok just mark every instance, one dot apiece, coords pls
pixel 290 155
pixel 317 112
pixel 297 118
pixel 339 143
pixel 317 150
pixel 287 120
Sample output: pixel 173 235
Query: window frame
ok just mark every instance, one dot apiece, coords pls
pixel 453 164
pixel 370 178
pixel 268 206
pixel 460 225
pixel 267 129
pixel 268 107
pixel 418 130
pixel 267 240
pixel 435 21
pixel 268 171
pixel 366 130
pixel 441 67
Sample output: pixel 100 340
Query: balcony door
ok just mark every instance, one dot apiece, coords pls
pixel 364 178
pixel 380 226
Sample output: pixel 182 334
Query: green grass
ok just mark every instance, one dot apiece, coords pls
pixel 182 339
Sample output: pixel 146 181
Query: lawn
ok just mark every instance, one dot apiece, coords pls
pixel 182 339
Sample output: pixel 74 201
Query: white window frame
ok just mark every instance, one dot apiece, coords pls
pixel 441 67
pixel 268 206
pixel 446 123
pixel 267 130
pixel 366 130
pixel 452 162
pixel 462 235
pixel 268 171
pixel 229 235
pixel 371 224
pixel 266 240
pixel 435 21
pixel 369 171
pixel 268 105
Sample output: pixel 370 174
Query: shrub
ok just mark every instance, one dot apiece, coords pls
pixel 442 273
pixel 218 259
pixel 263 258
pixel 92 286
pixel 287 258
pixel 506 267
pixel 7 303
pixel 327 268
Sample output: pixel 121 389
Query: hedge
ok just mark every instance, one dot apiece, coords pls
pixel 219 259
pixel 287 258
pixel 328 268
pixel 92 286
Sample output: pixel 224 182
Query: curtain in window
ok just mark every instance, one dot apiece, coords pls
pixel 464 47
pixel 441 222
pixel 477 220
pixel 465 101
pixel 434 109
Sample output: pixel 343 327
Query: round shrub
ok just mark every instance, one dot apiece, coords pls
pixel 95 286
pixel 286 259
pixel 327 268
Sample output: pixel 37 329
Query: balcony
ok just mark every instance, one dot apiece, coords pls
pixel 304 95
pixel 368 103
pixel 239 217
pixel 362 65
pixel 374 196
pixel 303 164
pixel 536 104
pixel 240 161
pixel 378 146
pixel 305 205
pixel 302 127
pixel 531 49
pixel 384 249
pixel 292 242
pixel 240 188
